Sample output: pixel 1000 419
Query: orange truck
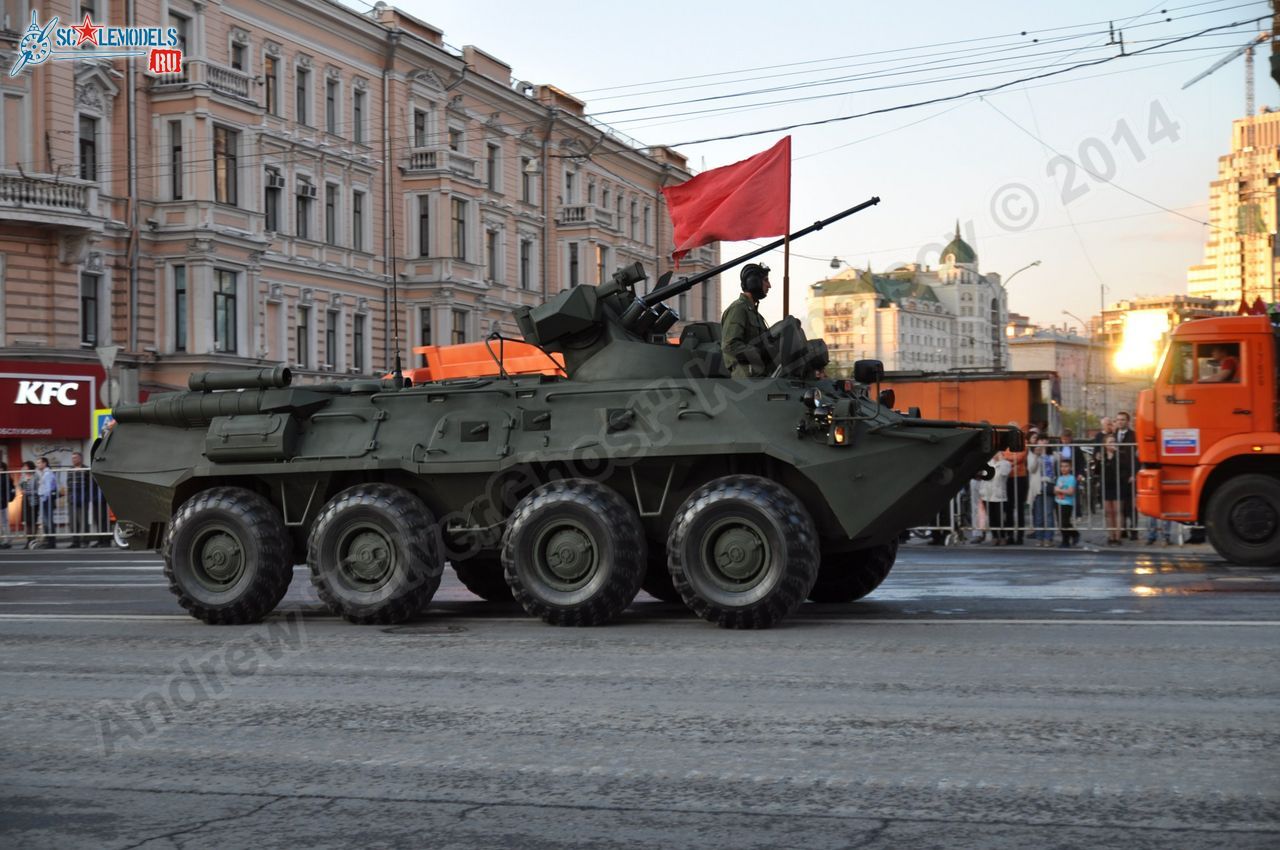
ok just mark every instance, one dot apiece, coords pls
pixel 997 397
pixel 1207 436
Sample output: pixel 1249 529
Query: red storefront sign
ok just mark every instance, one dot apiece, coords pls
pixel 47 399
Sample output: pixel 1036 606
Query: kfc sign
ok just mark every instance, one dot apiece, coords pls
pixel 42 402
pixel 46 392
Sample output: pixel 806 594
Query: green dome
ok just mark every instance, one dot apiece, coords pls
pixel 959 249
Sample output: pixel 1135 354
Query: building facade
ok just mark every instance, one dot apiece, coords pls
pixel 914 317
pixel 1240 253
pixel 257 207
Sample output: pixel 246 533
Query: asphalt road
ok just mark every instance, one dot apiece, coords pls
pixel 980 698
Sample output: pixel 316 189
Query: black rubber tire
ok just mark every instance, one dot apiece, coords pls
pixel 576 514
pixel 846 576
pixel 211 525
pixel 377 521
pixel 484 577
pixel 760 513
pixel 657 577
pixel 1243 520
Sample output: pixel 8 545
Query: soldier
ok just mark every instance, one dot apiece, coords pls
pixel 743 333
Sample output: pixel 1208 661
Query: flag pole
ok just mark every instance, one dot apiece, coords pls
pixel 786 250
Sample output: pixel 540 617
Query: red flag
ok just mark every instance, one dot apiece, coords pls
pixel 1243 309
pixel 740 201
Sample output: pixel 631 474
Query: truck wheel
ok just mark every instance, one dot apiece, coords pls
pixel 574 553
pixel 226 556
pixel 657 577
pixel 846 576
pixel 744 552
pixel 374 554
pixel 483 576
pixel 1243 520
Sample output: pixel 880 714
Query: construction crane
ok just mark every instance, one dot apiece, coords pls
pixel 1247 50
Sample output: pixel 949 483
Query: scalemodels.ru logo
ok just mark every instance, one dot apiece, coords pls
pixel 41 43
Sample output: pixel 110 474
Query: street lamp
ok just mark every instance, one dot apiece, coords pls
pixel 1088 363
pixel 836 263
pixel 1015 274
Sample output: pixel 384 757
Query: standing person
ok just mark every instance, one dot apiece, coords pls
pixel 1042 473
pixel 48 490
pixel 1015 498
pixel 1064 495
pixel 29 487
pixel 77 489
pixel 994 496
pixel 743 332
pixel 1112 487
pixel 1127 447
pixel 6 496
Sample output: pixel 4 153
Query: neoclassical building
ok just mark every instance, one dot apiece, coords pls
pixel 257 207
pixel 915 317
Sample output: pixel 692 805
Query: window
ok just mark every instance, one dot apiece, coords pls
pixel 89 308
pixel 419 129
pixel 602 262
pixel 302 211
pixel 271 72
pixel 357 343
pixel 357 220
pixel 88 148
pixel 1218 362
pixel 331 106
pixel 424 226
pixel 357 117
pixel 424 328
pixel 573 264
pixel 491 255
pixel 647 216
pixel 175 160
pixel 304 337
pixel 459 327
pixel 225 182
pixel 706 304
pixel 271 200
pixel 526 179
pixel 526 262
pixel 331 338
pixel 224 310
pixel 459 229
pixel 570 187
pixel 301 96
pixel 492 157
pixel 237 56
pixel 179 308
pixel 635 220
pixel 331 213
pixel 604 198
pixel 455 139
pixel 182 24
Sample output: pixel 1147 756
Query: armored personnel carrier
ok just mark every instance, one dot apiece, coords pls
pixel 636 462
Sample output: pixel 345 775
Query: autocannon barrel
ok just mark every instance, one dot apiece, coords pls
pixel 185 410
pixel 241 379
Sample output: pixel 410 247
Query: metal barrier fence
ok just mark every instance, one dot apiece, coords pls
pixel 48 507
pixel 1017 509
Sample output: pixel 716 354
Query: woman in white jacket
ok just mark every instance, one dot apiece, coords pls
pixel 993 495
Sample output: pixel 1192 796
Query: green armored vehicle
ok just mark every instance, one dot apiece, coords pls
pixel 641 464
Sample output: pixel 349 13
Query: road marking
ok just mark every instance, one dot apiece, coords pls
pixel 130 584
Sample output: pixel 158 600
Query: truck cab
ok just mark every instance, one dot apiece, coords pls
pixel 1207 436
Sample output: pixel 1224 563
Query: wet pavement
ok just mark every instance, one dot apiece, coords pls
pixel 1012 697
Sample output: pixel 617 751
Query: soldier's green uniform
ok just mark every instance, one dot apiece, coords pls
pixel 742 333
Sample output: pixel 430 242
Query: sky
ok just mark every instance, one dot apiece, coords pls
pixel 1100 173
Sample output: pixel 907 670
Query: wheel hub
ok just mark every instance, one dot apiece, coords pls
pixel 569 554
pixel 220 559
pixel 1254 519
pixel 738 552
pixel 367 556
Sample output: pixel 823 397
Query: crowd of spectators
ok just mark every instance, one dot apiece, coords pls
pixel 31 494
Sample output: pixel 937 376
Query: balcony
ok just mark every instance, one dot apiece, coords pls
pixel 47 200
pixel 198 73
pixel 426 160
pixel 584 215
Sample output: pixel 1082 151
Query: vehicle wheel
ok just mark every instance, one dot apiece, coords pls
pixel 846 576
pixel 744 552
pixel 574 553
pixel 657 577
pixel 374 554
pixel 226 556
pixel 1243 520
pixel 484 577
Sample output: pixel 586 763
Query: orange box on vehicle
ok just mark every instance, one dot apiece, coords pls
pixel 478 360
